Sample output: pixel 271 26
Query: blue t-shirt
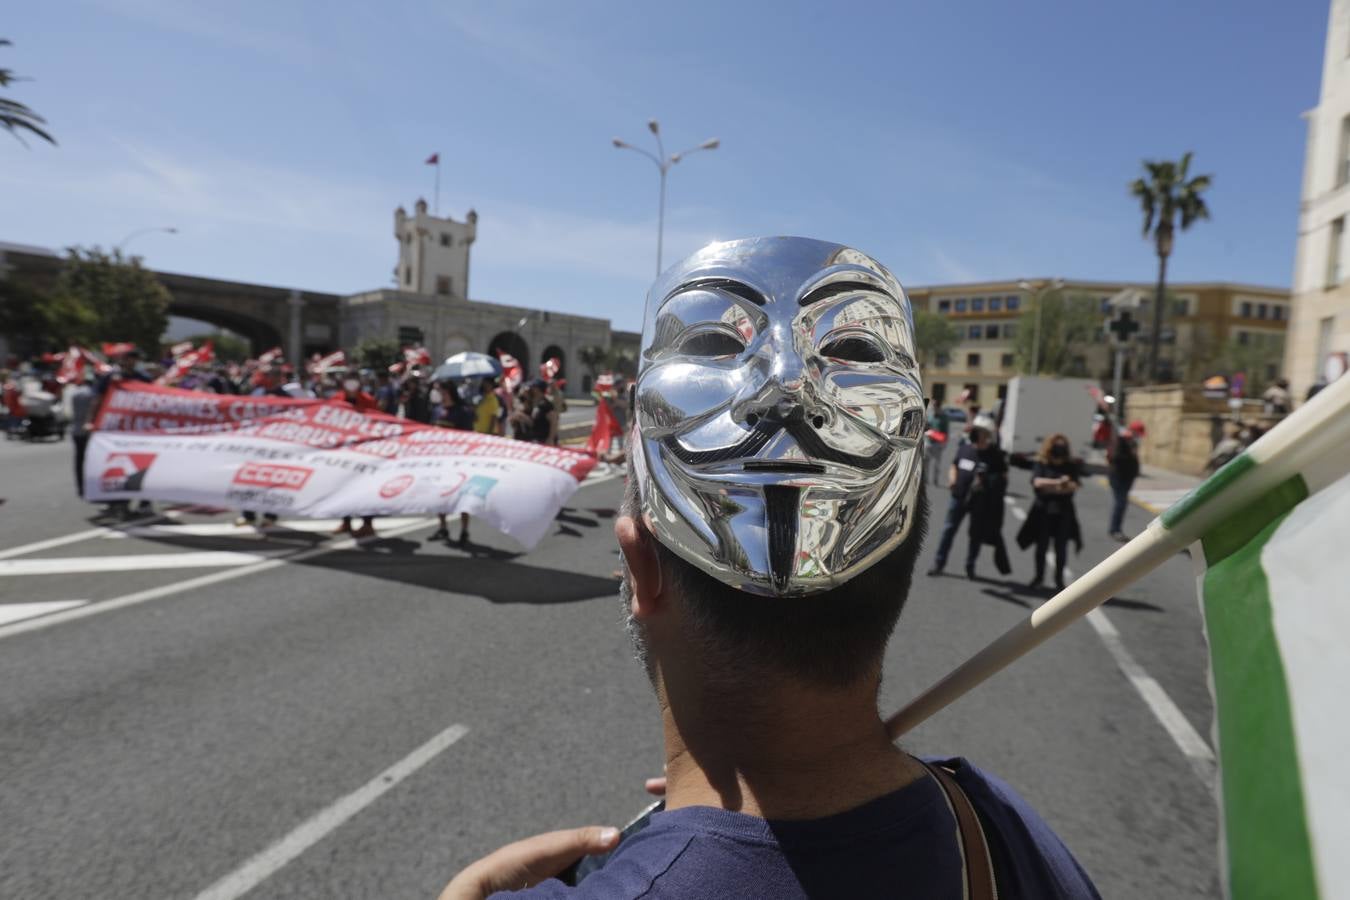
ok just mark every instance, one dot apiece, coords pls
pixel 902 845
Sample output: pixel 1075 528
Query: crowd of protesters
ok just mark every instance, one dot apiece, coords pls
pixel 55 393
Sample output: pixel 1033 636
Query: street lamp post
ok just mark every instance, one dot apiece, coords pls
pixel 140 231
pixel 1039 293
pixel 663 164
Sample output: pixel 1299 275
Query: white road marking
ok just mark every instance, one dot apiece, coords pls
pixel 14 612
pixel 1168 714
pixel 229 529
pixel 69 565
pixel 74 537
pixel 314 829
pixel 201 581
pixel 1193 746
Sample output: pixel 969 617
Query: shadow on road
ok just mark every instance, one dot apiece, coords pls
pixel 474 569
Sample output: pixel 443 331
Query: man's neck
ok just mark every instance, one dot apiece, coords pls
pixel 790 754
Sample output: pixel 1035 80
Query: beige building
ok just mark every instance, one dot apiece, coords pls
pixel 1319 331
pixel 1205 316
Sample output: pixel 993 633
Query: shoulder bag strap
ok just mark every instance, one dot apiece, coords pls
pixel 979 866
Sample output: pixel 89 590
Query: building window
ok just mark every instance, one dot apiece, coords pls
pixel 973 393
pixel 1003 392
pixel 1244 337
pixel 960 304
pixel 1262 310
pixel 1006 360
pixel 944 306
pixel 977 304
pixel 1181 308
pixel 1277 312
pixel 972 360
pixel 1334 252
pixel 991 332
pixel 443 285
pixel 939 394
pixel 995 304
pixel 1010 329
pixel 1343 158
pixel 1106 304
pixel 1245 310
pixel 410 336
pixel 944 360
pixel 447 240
pixel 1014 302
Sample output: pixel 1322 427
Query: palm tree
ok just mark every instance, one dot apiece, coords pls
pixel 14 115
pixel 1165 194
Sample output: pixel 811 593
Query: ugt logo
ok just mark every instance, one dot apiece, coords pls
pixel 125 471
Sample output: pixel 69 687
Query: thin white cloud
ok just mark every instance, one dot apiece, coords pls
pixel 220 23
pixel 950 267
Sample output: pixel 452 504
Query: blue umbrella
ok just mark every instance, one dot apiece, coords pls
pixel 467 365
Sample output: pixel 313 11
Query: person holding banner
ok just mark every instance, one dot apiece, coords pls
pixel 351 395
pixel 762 633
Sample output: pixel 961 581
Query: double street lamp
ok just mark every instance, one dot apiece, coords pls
pixel 1039 293
pixel 663 164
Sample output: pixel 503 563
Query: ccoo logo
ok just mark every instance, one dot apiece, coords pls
pixel 272 475
pixel 125 471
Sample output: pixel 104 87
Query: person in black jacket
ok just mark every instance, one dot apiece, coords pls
pixel 978 478
pixel 1055 478
pixel 1122 459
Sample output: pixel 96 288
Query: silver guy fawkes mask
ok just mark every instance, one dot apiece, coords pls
pixel 779 410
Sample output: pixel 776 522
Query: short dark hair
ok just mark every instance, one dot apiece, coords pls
pixel 831 639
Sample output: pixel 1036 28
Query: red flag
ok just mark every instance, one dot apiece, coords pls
pixel 511 370
pixel 118 349
pixel 270 356
pixel 604 385
pixel 335 360
pixel 72 363
pixel 549 370
pixel 185 362
pixel 179 349
pixel 605 430
pixel 416 356
pixel 434 159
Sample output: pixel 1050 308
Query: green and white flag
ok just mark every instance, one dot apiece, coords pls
pixel 1270 533
pixel 1274 583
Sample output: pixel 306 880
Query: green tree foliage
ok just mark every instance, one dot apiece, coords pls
pixel 1168 193
pixel 612 359
pixel 934 335
pixel 14 116
pixel 36 322
pixel 1069 325
pixel 228 346
pixel 377 353
pixel 126 302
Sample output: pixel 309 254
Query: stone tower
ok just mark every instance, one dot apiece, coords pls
pixel 433 253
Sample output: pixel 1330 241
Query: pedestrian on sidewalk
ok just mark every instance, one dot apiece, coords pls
pixel 1122 462
pixel 82 401
pixel 1055 477
pixel 978 479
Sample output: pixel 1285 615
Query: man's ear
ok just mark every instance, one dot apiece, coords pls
pixel 644 565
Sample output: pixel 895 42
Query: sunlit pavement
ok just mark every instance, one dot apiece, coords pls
pixel 199 710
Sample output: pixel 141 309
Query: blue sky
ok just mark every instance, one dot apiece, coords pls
pixel 954 141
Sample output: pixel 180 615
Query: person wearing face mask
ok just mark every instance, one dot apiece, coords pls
pixel 1055 478
pixel 352 395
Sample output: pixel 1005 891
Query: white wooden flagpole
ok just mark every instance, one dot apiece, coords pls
pixel 1318 429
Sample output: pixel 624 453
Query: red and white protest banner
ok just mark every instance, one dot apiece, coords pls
pixel 322 365
pixel 313 458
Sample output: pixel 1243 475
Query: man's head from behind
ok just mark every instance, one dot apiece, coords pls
pixel 775 502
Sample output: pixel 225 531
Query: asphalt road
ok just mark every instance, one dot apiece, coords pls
pixel 158 737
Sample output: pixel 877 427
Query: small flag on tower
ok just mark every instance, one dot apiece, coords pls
pixel 434 159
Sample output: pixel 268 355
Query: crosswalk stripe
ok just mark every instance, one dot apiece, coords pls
pixel 15 612
pixel 70 565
